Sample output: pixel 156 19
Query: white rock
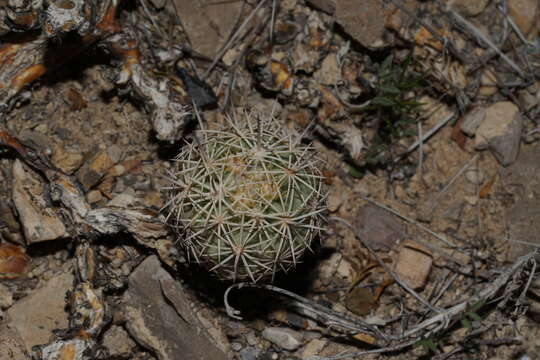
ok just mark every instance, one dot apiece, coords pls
pixel 284 338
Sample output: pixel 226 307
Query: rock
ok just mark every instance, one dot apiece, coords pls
pixel 159 316
pixel 11 344
pixel 250 353
pixel 329 72
pixel 312 348
pixel 67 161
pixel 13 262
pixel 365 23
pixel 94 196
pixel 115 153
pixel 500 132
pixel 94 169
pixel 468 7
pixel 378 227
pixel 475 175
pixel 39 221
pixel 522 181
pixel 118 342
pixel 208 24
pixel 41 312
pixel 6 298
pixel 524 14
pixel 328 6
pixel 413 265
pixel 287 339
pixel 472 120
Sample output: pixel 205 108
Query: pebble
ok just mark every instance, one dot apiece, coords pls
pixel 413 265
pixel 475 175
pixel 312 348
pixel 249 353
pixel 284 338
pixel 472 120
pixel 500 132
pixel 236 346
pixel 6 298
pixel 468 7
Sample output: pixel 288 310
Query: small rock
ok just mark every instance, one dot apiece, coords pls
pixel 413 265
pixel 329 72
pixel 468 7
pixel 6 298
pixel 500 132
pixel 159 316
pixel 94 196
pixel 235 346
pixel 124 199
pixel 94 169
pixel 37 315
pixel 472 120
pixel 524 14
pixel 475 175
pixel 328 6
pixel 378 227
pixel 312 348
pixel 115 153
pixel 118 342
pixel 364 23
pixel 251 338
pixel 67 161
pixel 11 344
pixel 13 262
pixel 250 353
pixel 284 338
pixel 346 270
pixel 40 222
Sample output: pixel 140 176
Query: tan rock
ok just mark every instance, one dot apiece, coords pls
pixel 363 22
pixel 468 7
pixel 67 161
pixel 524 13
pixel 40 222
pixel 11 344
pixel 413 265
pixel 94 169
pixel 38 314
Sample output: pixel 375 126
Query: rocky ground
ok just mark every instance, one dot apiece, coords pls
pixel 425 117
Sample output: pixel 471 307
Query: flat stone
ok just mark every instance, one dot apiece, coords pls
pixel 94 169
pixel 41 312
pixel 207 23
pixel 167 326
pixel 413 265
pixel 364 22
pixel 67 161
pixel 11 344
pixel 287 339
pixel 378 227
pixel 500 132
pixel 312 348
pixel 329 72
pixel 40 221
pixel 118 342
pixel 522 181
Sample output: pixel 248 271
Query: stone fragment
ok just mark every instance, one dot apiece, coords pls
pixel 328 6
pixel 40 221
pixel 329 73
pixel 94 196
pixel 287 339
pixel 6 298
pixel 364 22
pixel 207 23
pixel 500 132
pixel 413 265
pixel 522 181
pixel 13 262
pixel 118 342
pixel 312 348
pixel 472 120
pixel 167 326
pixel 468 7
pixel 378 227
pixel 11 344
pixel 94 169
pixel 524 13
pixel 67 160
pixel 41 312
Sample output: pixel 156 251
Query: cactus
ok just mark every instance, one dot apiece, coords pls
pixel 246 201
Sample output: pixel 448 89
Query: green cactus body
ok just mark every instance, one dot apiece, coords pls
pixel 247 201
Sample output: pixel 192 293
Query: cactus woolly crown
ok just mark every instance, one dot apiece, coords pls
pixel 246 201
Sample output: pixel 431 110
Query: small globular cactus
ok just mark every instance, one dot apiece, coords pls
pixel 246 201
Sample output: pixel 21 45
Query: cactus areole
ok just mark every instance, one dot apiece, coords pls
pixel 246 201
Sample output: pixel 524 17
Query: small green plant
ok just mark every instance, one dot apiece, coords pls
pixel 248 200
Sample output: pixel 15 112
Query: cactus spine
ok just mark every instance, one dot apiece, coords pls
pixel 246 201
